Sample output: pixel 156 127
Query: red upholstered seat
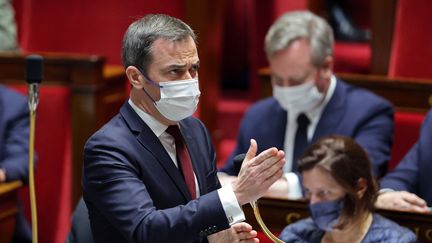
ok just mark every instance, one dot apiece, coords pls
pixel 411 51
pixel 410 57
pixel 352 57
pixel 53 167
pixel 263 238
pixel 407 128
pixel 230 111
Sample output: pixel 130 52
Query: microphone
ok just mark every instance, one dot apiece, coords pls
pixel 33 76
pixel 238 160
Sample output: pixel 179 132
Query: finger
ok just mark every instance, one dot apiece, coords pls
pixel 255 240
pixel 272 165
pixel 419 209
pixel 413 199
pixel 242 227
pixel 275 174
pixel 403 205
pixel 268 157
pixel 251 153
pixel 247 235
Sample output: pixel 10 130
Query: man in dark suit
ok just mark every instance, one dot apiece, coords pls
pixel 309 102
pixel 150 173
pixel 408 186
pixel 14 135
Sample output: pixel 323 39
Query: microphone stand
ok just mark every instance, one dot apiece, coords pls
pixel 238 160
pixel 34 69
pixel 33 101
pixel 267 232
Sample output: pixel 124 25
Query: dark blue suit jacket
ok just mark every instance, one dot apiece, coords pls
pixel 135 193
pixel 351 111
pixel 413 173
pixel 14 134
pixel 14 137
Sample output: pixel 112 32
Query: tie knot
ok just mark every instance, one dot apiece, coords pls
pixel 302 120
pixel 174 131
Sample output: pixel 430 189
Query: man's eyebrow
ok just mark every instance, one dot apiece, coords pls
pixel 175 66
pixel 180 66
pixel 196 64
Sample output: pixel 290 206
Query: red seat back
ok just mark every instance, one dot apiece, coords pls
pixel 53 166
pixel 406 133
pixel 411 51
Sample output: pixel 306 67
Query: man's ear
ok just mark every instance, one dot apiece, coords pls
pixel 135 77
pixel 327 68
pixel 361 187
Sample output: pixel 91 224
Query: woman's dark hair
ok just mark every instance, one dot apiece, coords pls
pixel 347 162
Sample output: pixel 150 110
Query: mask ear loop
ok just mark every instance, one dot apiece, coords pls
pixel 151 82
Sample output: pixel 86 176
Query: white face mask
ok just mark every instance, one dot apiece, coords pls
pixel 179 99
pixel 301 97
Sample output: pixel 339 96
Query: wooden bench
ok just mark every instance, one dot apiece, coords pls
pixel 8 209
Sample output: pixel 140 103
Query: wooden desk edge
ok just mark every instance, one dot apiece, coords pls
pixel 9 186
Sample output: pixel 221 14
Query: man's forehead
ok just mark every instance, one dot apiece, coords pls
pixel 177 53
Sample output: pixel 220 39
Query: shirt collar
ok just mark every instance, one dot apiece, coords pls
pixel 157 127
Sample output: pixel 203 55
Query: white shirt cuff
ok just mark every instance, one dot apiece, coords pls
pixel 294 187
pixel 384 190
pixel 233 211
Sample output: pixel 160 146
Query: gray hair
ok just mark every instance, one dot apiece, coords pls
pixel 141 34
pixel 301 24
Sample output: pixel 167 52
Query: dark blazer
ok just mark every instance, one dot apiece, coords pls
pixel 14 134
pixel 135 193
pixel 351 111
pixel 80 231
pixel 14 137
pixel 413 172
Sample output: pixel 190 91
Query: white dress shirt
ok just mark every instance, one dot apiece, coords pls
pixel 314 116
pixel 226 194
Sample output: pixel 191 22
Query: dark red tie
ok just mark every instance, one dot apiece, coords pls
pixel 183 158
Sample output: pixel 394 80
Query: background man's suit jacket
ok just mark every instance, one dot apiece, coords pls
pixel 413 173
pixel 351 111
pixel 14 134
pixel 14 137
pixel 135 193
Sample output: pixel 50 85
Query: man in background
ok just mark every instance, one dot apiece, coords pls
pixel 310 102
pixel 407 187
pixel 8 30
pixel 14 136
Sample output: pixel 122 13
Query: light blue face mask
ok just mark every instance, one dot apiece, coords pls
pixel 326 214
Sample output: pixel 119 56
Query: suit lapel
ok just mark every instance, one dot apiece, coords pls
pixel 332 113
pixel 151 143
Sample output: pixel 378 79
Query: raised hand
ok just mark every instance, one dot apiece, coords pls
pixel 258 173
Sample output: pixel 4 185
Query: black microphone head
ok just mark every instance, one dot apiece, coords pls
pixel 238 160
pixel 34 69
